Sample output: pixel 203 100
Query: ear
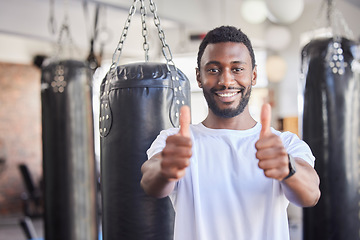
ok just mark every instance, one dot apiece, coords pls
pixel 198 78
pixel 254 76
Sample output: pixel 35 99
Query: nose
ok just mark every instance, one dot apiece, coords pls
pixel 226 78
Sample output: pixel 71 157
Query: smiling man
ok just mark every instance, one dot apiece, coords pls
pixel 230 177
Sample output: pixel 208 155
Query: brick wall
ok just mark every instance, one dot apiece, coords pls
pixel 20 131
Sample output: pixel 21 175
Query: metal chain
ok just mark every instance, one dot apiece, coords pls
pixel 165 47
pixel 179 97
pixel 62 41
pixel 144 30
pixel 65 42
pixel 118 50
pixel 336 21
pixel 52 21
pixel 342 24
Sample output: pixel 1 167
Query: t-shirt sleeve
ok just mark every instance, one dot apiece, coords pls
pixel 160 141
pixel 297 147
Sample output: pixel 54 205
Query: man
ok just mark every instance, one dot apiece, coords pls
pixel 230 177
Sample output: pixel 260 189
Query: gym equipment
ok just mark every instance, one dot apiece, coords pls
pixel 331 127
pixel 32 197
pixel 68 149
pixel 28 228
pixel 137 101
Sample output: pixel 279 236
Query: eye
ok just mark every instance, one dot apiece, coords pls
pixel 213 70
pixel 238 69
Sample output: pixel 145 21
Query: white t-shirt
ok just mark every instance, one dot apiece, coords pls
pixel 224 195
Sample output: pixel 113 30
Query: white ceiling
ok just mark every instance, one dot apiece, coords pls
pixel 25 24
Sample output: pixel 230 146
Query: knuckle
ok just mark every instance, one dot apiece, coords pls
pixel 188 141
pixel 165 153
pixel 169 139
pixel 257 145
pixel 187 162
pixel 283 151
pixel 178 175
pixel 188 153
pixel 267 173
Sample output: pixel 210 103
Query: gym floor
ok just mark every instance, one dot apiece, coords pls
pixel 10 228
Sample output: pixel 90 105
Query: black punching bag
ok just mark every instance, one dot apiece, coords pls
pixel 137 102
pixel 331 120
pixel 68 152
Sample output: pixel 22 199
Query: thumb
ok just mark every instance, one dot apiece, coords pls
pixel 185 121
pixel 265 118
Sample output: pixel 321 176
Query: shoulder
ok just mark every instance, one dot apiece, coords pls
pixel 297 147
pixel 289 138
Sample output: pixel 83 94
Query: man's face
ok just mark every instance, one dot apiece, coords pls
pixel 226 77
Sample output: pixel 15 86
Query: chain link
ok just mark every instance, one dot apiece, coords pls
pixel 165 47
pixel 119 47
pixel 179 97
pixel 52 21
pixel 144 30
pixel 65 40
pixel 336 21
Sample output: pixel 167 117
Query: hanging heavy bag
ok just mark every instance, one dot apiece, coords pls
pixel 137 101
pixel 331 127
pixel 68 150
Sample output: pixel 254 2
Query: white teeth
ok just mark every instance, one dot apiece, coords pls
pixel 227 94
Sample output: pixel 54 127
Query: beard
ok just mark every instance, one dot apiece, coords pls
pixel 227 112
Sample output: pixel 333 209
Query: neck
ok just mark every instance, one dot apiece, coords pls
pixel 242 121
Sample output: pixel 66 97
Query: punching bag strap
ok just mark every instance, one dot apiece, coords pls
pixel 179 96
pixel 105 118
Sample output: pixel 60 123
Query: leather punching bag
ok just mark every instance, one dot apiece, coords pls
pixel 136 103
pixel 68 152
pixel 331 128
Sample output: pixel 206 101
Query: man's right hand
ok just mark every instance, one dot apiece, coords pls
pixel 177 152
pixel 162 170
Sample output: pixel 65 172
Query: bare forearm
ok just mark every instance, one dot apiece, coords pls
pixel 152 181
pixel 302 188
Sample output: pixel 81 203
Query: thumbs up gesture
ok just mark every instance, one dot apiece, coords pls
pixel 185 121
pixel 177 152
pixel 271 153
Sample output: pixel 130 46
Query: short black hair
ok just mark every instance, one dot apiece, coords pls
pixel 225 34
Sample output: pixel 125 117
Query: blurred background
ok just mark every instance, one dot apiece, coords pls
pixel 32 31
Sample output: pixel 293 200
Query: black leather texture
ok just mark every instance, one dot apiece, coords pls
pixel 137 102
pixel 332 129
pixel 68 152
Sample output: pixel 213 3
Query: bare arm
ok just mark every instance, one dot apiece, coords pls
pixel 153 182
pixel 161 172
pixel 302 188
